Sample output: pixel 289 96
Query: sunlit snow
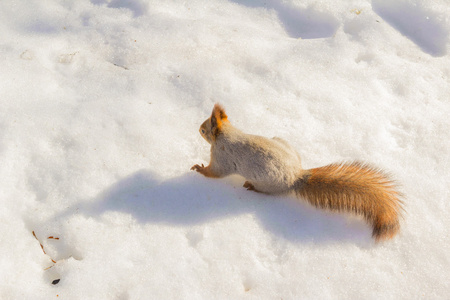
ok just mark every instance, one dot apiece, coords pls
pixel 101 102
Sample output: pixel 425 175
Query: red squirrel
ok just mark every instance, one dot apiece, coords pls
pixel 272 166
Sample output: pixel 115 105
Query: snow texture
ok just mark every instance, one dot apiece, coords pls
pixel 101 102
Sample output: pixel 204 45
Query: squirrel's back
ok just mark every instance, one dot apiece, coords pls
pixel 272 165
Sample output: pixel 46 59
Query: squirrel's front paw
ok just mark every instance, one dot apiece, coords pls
pixel 198 168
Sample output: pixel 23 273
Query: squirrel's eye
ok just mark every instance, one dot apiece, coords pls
pixel 203 130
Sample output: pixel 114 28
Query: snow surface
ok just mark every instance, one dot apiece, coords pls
pixel 101 102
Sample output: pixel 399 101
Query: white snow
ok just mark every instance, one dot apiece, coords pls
pixel 101 102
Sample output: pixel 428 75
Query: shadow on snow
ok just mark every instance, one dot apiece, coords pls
pixel 420 26
pixel 192 199
pixel 298 22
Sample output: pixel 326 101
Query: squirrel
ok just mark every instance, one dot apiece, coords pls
pixel 272 166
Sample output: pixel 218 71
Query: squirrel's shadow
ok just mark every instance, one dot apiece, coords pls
pixel 192 200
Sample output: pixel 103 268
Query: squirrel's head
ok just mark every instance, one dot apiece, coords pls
pixel 213 126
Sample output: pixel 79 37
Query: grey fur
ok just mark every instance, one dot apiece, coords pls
pixel 271 165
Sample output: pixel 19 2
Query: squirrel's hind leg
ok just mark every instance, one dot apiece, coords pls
pixel 249 186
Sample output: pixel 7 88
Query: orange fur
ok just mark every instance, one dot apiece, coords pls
pixel 218 117
pixel 358 188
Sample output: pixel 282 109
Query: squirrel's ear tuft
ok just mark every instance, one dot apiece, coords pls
pixel 219 112
pixel 218 116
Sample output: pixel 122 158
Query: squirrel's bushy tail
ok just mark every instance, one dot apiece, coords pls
pixel 358 188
